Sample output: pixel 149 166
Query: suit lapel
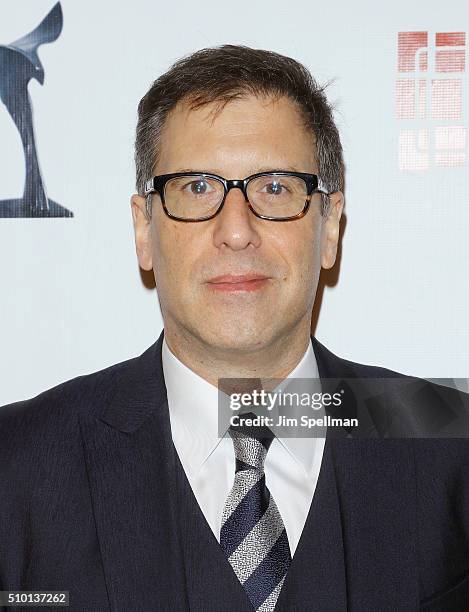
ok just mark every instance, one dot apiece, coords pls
pixel 317 574
pixel 149 525
pixel 130 469
pixel 375 480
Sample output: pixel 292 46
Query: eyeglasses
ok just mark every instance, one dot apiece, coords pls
pixel 199 196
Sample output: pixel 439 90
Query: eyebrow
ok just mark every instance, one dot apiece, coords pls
pixel 251 171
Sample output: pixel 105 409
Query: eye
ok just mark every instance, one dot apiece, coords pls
pixel 275 188
pixel 198 187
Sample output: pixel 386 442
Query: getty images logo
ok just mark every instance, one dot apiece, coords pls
pixel 429 99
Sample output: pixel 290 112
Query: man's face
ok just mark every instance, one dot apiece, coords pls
pixel 248 136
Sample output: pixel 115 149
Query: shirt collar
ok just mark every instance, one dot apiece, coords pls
pixel 193 411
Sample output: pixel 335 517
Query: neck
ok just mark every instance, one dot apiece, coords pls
pixel 274 360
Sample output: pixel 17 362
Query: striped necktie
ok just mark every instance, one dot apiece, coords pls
pixel 252 533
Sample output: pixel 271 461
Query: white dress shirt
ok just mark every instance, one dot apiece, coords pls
pixel 291 467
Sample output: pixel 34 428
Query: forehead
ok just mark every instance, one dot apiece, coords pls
pixel 244 132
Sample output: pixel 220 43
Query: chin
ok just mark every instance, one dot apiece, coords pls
pixel 238 339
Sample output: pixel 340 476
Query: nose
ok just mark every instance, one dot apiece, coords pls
pixel 235 225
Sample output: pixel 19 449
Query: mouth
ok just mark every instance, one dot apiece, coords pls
pixel 234 283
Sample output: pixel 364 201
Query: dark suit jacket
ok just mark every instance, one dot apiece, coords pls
pixel 94 500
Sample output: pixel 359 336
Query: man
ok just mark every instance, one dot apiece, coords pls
pixel 116 486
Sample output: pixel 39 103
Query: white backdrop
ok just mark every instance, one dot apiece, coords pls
pixel 72 299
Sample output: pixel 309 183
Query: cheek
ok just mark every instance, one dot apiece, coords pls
pixel 176 250
pixel 301 249
pixel 168 243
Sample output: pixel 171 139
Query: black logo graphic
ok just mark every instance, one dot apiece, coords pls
pixel 19 63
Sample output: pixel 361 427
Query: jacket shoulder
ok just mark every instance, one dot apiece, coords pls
pixel 333 366
pixel 402 405
pixel 63 402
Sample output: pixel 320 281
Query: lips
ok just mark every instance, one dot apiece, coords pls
pixel 235 278
pixel 235 283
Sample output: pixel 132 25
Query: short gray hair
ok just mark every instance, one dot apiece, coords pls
pixel 224 73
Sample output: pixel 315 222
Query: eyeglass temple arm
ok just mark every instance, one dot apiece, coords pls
pixel 148 187
pixel 322 186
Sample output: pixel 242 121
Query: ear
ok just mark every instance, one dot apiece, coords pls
pixel 142 227
pixel 331 229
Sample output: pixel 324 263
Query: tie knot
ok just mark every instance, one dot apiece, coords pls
pixel 250 445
